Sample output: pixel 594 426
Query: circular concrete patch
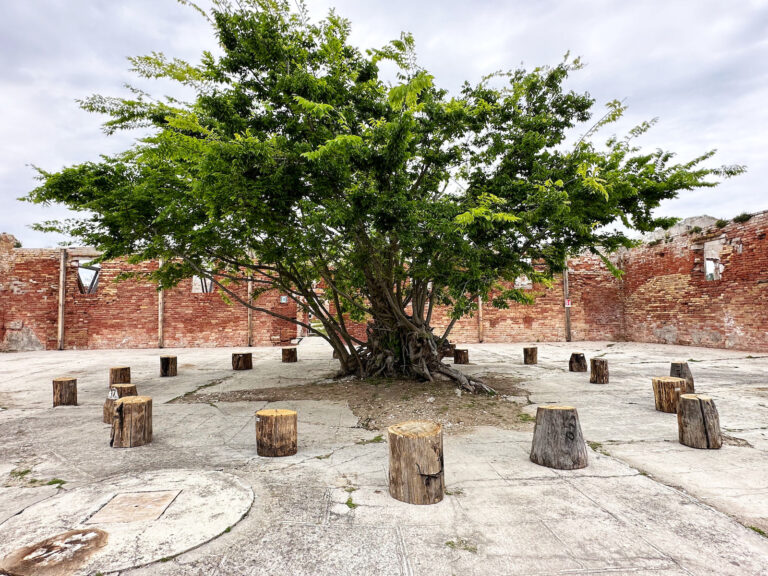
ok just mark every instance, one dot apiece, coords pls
pixel 146 517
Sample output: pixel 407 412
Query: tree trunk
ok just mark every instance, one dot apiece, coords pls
pixel 243 361
pixel 557 439
pixel 681 370
pixel 446 350
pixel 64 392
pixel 116 391
pixel 666 391
pixel 530 355
pixel 577 363
pixel 599 371
pixel 168 366
pixel 416 462
pixel 290 355
pixel 698 422
pixel 276 432
pixel 461 356
pixel 132 422
pixel 119 375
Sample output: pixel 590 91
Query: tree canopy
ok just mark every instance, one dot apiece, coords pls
pixel 363 200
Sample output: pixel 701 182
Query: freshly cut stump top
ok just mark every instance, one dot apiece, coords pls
pixel 416 473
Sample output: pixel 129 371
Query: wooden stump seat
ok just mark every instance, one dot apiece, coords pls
pixel 598 373
pixel 116 391
pixel 120 375
pixel 698 422
pixel 557 438
pixel 681 370
pixel 531 355
pixel 446 350
pixel 242 361
pixel 290 355
pixel 131 422
pixel 416 462
pixel 666 391
pixel 461 356
pixel 276 432
pixel 64 392
pixel 168 366
pixel 577 363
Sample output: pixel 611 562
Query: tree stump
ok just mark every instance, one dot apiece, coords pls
pixel 698 423
pixel 64 392
pixel 446 350
pixel 416 462
pixel 598 373
pixel 276 432
pixel 119 375
pixel 530 355
pixel 116 391
pixel 242 361
pixel 168 366
pixel 681 370
pixel 132 422
pixel 666 391
pixel 290 355
pixel 557 438
pixel 577 363
pixel 461 356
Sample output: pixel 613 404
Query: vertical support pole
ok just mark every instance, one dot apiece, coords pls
pixel 480 335
pixel 566 296
pixel 250 312
pixel 62 296
pixel 160 314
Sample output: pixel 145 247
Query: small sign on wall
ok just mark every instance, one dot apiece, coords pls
pixel 284 300
pixel 568 303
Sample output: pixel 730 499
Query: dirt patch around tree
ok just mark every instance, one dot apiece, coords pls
pixel 381 402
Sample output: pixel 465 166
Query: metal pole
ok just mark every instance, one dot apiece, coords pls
pixel 566 297
pixel 161 314
pixel 62 296
pixel 480 335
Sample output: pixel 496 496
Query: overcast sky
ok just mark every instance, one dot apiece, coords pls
pixel 700 66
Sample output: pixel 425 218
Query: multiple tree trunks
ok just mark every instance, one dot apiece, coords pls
pixel 531 355
pixel 461 356
pixel 64 392
pixel 131 422
pixel 168 366
pixel 116 391
pixel 416 462
pixel 681 370
pixel 557 439
pixel 242 361
pixel 119 375
pixel 276 432
pixel 598 373
pixel 698 422
pixel 666 391
pixel 577 363
pixel 290 355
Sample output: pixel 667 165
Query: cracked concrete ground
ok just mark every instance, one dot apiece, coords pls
pixel 644 505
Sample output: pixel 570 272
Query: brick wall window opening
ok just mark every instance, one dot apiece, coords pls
pixel 88 277
pixel 713 268
pixel 201 285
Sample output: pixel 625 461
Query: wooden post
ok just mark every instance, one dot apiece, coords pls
pixel 598 373
pixel 168 366
pixel 577 363
pixel 698 423
pixel 416 462
pixel 531 355
pixel 276 432
pixel 557 438
pixel 666 391
pixel 460 356
pixel 62 297
pixel 64 392
pixel 242 361
pixel 290 355
pixel 120 375
pixel 681 370
pixel 132 422
pixel 116 391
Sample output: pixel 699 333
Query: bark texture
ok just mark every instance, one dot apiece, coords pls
pixel 116 391
pixel 416 462
pixel 168 366
pixel 666 391
pixel 65 392
pixel 577 363
pixel 276 432
pixel 557 439
pixel 681 370
pixel 290 355
pixel 461 356
pixel 242 361
pixel 119 375
pixel 531 355
pixel 598 371
pixel 698 422
pixel 132 422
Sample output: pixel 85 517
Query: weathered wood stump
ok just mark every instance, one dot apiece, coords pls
pixel 461 356
pixel 64 392
pixel 577 363
pixel 119 375
pixel 290 355
pixel 530 355
pixel 666 391
pixel 446 350
pixel 116 391
pixel 168 366
pixel 416 462
pixel 557 439
pixel 242 361
pixel 681 370
pixel 131 422
pixel 276 432
pixel 598 373
pixel 698 423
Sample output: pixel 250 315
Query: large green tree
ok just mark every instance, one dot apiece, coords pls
pixel 295 164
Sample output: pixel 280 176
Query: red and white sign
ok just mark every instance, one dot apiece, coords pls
pixel 568 303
